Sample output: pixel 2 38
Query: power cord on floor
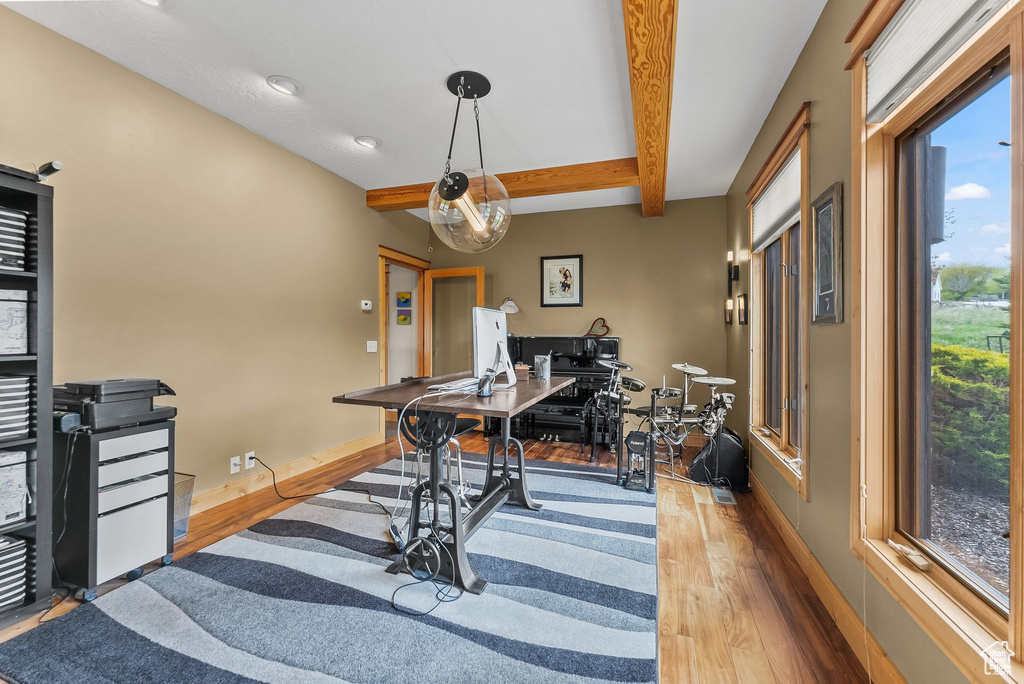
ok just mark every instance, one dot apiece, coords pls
pixel 277 491
pixel 273 477
pixel 42 618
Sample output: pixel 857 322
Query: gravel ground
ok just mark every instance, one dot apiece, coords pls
pixel 970 528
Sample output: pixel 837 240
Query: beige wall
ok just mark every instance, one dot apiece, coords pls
pixel 824 521
pixel 189 249
pixel 658 282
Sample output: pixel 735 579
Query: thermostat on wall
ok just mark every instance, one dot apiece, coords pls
pixel 366 305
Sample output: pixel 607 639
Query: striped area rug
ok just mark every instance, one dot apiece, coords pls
pixel 303 597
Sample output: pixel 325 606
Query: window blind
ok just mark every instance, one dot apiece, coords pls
pixel 778 206
pixel 919 38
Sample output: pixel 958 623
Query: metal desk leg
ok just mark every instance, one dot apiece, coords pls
pixel 452 536
pixel 499 477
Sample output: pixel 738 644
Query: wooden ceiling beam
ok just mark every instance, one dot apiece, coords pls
pixel 555 180
pixel 651 50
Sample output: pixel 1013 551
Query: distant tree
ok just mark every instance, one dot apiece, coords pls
pixel 1002 280
pixel 961 280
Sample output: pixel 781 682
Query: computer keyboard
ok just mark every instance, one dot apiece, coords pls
pixel 462 383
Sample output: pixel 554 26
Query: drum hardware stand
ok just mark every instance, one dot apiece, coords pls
pixel 712 418
pixel 614 406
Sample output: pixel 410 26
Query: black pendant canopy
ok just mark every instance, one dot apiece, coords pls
pixel 474 84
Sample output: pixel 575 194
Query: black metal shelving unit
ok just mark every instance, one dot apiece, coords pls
pixel 18 191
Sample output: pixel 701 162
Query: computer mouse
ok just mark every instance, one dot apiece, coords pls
pixel 486 385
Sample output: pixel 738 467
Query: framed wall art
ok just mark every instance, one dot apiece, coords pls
pixel 561 280
pixel 827 256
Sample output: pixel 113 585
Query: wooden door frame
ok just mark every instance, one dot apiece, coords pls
pixel 386 256
pixel 427 360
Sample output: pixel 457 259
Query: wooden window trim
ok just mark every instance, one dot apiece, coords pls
pixel 779 455
pixel 959 621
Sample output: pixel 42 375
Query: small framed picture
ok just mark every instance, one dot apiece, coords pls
pixel 404 299
pixel 404 317
pixel 827 255
pixel 561 280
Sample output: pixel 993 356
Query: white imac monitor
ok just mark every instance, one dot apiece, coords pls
pixel 490 345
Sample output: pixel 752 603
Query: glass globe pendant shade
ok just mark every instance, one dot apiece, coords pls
pixel 469 210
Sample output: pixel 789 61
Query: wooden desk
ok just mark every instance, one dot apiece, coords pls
pixel 430 423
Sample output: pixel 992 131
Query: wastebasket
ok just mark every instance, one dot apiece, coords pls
pixel 183 486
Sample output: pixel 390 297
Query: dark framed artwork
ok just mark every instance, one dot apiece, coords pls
pixel 561 280
pixel 827 255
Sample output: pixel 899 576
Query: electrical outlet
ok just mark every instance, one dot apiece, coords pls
pixel 250 459
pixel 236 464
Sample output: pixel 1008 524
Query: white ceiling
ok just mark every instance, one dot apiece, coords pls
pixel 558 69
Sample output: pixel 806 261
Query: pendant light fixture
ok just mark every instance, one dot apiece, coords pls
pixel 469 210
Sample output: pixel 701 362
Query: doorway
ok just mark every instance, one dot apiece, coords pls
pixel 449 297
pixel 401 315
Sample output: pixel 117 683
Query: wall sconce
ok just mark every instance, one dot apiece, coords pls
pixel 734 275
pixel 734 270
pixel 741 306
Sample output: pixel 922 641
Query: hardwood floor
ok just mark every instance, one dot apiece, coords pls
pixel 734 606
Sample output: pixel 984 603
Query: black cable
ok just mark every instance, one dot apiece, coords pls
pixel 443 593
pixel 42 618
pixel 66 481
pixel 370 498
pixel 273 476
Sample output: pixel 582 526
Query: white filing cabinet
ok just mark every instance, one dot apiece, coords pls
pixel 120 491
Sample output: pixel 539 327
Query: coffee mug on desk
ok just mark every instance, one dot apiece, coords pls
pixel 542 367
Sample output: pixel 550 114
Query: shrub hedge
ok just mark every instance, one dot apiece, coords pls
pixel 970 417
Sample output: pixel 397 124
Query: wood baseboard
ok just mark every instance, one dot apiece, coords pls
pixel 882 669
pixel 215 496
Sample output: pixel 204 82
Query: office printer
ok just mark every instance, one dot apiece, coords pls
pixel 114 403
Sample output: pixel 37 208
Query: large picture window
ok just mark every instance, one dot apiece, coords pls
pixel 779 315
pixel 953 458
pixel 938 388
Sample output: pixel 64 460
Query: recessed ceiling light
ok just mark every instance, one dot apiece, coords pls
pixel 283 84
pixel 368 141
pixel 150 3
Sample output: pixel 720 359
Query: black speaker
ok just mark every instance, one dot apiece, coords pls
pixel 723 464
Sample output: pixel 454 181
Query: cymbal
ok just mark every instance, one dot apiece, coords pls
pixel 633 384
pixel 689 369
pixel 612 363
pixel 715 380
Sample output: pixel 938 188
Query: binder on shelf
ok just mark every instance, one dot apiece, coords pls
pixel 14 491
pixel 13 230
pixel 14 407
pixel 13 564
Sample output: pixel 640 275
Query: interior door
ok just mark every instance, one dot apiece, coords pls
pixel 400 307
pixel 449 295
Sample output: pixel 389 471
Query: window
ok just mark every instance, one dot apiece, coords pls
pixel 938 390
pixel 953 457
pixel 779 315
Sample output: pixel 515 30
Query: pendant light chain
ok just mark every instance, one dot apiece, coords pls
pixel 451 144
pixel 480 145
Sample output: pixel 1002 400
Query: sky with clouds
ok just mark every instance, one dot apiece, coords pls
pixel 977 181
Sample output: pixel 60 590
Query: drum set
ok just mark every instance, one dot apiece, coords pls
pixel 665 423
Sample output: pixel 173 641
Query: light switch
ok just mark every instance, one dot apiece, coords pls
pixel 371 346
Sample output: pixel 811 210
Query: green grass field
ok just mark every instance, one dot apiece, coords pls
pixel 968 326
